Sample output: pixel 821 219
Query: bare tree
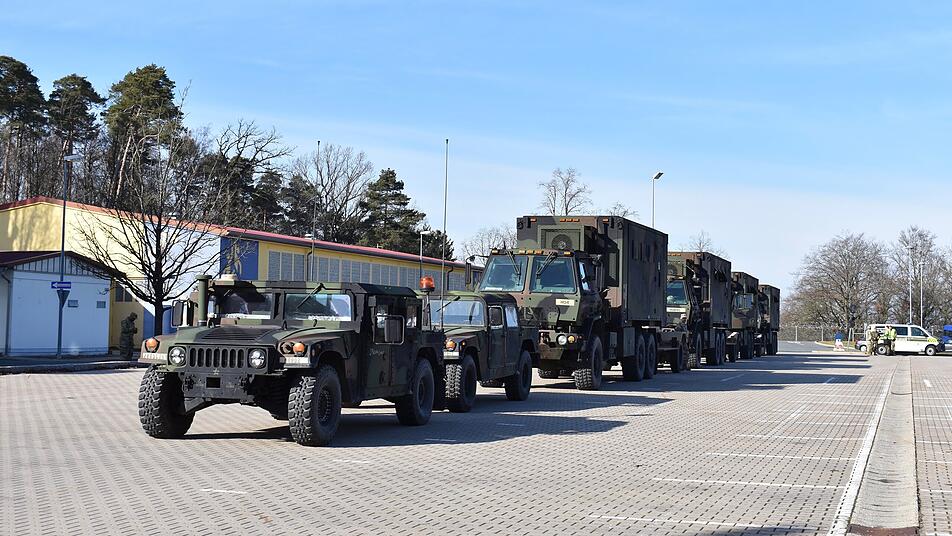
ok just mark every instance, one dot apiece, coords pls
pixel 840 283
pixel 162 237
pixel 484 240
pixel 564 193
pixel 622 210
pixel 339 176
pixel 915 253
pixel 703 242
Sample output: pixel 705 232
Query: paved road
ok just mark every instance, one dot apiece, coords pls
pixel 770 446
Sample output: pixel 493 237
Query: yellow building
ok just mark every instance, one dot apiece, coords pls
pixel 34 225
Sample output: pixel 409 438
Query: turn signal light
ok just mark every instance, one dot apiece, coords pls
pixel 299 348
pixel 151 345
pixel 450 345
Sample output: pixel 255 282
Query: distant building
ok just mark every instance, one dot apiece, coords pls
pixel 29 306
pixel 34 225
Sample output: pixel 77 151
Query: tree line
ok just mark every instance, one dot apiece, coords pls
pixel 135 132
pixel 853 279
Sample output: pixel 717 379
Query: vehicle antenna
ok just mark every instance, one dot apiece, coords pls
pixel 446 182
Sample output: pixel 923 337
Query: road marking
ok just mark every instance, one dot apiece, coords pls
pixel 817 423
pixel 927 382
pixel 510 424
pixel 844 512
pixel 934 398
pixel 839 396
pixel 695 522
pixel 788 419
pixel 351 461
pixel 933 442
pixel 776 456
pixel 440 440
pixel 213 490
pixel 838 403
pixel 934 406
pixel 733 377
pixel 829 380
pixel 935 490
pixel 745 483
pixel 937 461
pixel 767 436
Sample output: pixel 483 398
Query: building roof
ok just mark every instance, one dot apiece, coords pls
pixel 242 233
pixel 11 259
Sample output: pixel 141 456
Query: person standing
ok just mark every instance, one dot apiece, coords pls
pixel 891 340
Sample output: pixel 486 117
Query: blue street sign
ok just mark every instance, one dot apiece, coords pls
pixel 61 285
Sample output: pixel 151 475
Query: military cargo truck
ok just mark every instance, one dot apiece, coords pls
pixel 768 299
pixel 594 288
pixel 745 316
pixel 485 342
pixel 299 350
pixel 698 307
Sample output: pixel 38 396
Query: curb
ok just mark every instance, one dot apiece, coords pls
pixel 69 367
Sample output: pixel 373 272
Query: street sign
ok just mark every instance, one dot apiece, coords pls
pixel 61 285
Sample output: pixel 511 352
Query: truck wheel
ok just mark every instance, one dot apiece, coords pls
pixel 414 409
pixel 519 384
pixel 691 363
pixel 590 378
pixel 677 360
pixel 162 405
pixel 314 406
pixel 651 355
pixel 549 374
pixel 930 350
pixel 461 385
pixel 633 367
pixel 733 351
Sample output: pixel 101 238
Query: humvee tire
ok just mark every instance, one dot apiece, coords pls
pixel 461 385
pixel 414 409
pixel 651 357
pixel 520 383
pixel 590 378
pixel 549 374
pixel 314 405
pixel 161 405
pixel 633 367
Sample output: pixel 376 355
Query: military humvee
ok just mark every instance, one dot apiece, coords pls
pixel 485 342
pixel 299 350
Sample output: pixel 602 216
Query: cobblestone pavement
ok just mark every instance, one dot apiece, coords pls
pixel 768 446
pixel 932 410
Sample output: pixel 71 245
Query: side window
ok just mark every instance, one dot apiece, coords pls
pixel 512 316
pixel 902 331
pixel 413 313
pixel 584 272
pixel 495 317
pixel 916 332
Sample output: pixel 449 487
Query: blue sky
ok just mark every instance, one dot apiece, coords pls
pixel 818 117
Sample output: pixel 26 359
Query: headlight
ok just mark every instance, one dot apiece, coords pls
pixel 177 356
pixel 450 345
pixel 562 340
pixel 151 345
pixel 257 358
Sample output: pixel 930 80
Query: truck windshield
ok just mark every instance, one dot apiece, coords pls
pixel 505 273
pixel 246 303
pixel 319 306
pixel 458 313
pixel 552 274
pixel 676 293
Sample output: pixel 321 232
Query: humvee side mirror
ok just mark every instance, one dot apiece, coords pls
pixel 393 330
pixel 495 317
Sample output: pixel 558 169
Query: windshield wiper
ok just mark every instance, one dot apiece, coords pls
pixel 545 264
pixel 445 303
pixel 515 265
pixel 317 289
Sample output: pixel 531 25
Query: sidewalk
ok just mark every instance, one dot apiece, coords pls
pixel 39 364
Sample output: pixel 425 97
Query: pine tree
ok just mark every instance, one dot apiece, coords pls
pixel 390 222
pixel 268 214
pixel 71 110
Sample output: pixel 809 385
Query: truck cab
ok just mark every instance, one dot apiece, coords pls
pixel 299 350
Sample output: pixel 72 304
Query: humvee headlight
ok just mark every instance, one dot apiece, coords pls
pixel 151 345
pixel 299 348
pixel 450 345
pixel 177 356
pixel 562 339
pixel 257 358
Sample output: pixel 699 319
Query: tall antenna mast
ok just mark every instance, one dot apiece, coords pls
pixel 446 182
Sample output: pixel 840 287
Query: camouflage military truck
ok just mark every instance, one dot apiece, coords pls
pixel 594 288
pixel 698 307
pixel 768 299
pixel 745 317
pixel 485 342
pixel 300 351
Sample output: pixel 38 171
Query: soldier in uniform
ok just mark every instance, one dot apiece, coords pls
pixel 871 337
pixel 891 340
pixel 126 334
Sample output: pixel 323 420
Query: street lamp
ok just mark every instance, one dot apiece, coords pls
pixel 63 293
pixel 911 250
pixel 423 232
pixel 922 266
pixel 654 179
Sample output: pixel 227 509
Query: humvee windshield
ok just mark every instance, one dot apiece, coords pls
pixel 245 303
pixel 460 312
pixel 676 293
pixel 505 273
pixel 318 306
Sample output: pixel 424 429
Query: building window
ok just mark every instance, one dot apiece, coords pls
pixel 101 304
pixel 72 303
pixel 284 266
pixel 122 295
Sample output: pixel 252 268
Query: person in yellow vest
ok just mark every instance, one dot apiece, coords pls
pixel 891 340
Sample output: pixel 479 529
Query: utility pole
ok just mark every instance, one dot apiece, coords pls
pixel 922 314
pixel 911 249
pixel 62 292
pixel 654 179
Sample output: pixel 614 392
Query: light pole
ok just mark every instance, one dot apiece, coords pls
pixel 911 249
pixel 63 293
pixel 654 179
pixel 423 232
pixel 922 314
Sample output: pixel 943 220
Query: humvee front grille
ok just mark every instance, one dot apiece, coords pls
pixel 216 358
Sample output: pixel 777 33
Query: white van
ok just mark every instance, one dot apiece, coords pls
pixel 910 339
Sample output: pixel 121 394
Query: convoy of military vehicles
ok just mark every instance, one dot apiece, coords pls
pixel 574 297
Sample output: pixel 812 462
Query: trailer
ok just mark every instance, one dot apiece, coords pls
pixel 594 286
pixel 745 316
pixel 768 298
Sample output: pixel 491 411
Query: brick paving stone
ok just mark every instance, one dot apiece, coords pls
pixel 932 416
pixel 756 447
